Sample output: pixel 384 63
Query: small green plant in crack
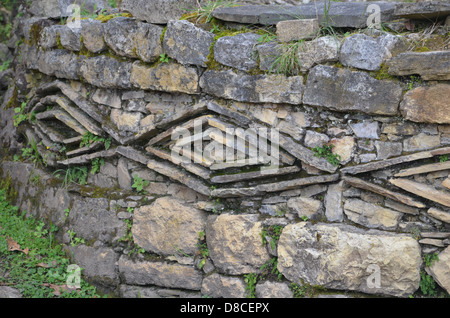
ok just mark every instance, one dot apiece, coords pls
pixel 164 58
pixel 203 251
pixel 326 151
pixel 443 158
pixel 77 175
pixel 139 184
pixel 273 232
pixel 270 268
pixel 204 11
pixel 250 284
pixel 32 153
pixel 89 138
pixel 20 115
pixel 74 240
pixel 96 164
pixel 427 284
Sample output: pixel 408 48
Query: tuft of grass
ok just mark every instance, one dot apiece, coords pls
pixel 203 13
pixel 287 63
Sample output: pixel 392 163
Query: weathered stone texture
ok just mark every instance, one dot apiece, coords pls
pixel 427 104
pixel 344 257
pixel 231 255
pixel 187 43
pixel 429 65
pixel 168 226
pixel 106 72
pixel 237 51
pixel 344 90
pixel 253 88
pixel 159 11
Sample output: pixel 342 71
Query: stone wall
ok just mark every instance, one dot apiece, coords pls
pixel 108 98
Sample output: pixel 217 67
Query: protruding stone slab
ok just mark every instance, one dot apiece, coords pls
pixel 321 50
pixel 422 10
pixel 187 43
pixel 296 183
pixel 427 104
pixel 424 169
pixel 324 254
pixel 344 90
pixel 253 88
pixel 440 215
pixel 423 190
pixel 338 14
pixel 359 183
pixel 394 161
pixel 429 65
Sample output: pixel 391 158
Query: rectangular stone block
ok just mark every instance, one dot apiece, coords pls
pixel 295 30
pixel 168 77
pixel 345 90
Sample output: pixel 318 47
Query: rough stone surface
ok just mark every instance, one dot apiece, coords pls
pixel 106 72
pixel 387 150
pixel 187 43
pixel 304 206
pixel 269 289
pixel 126 121
pixel 366 129
pixel 232 256
pixel 219 286
pixel 421 141
pixel 440 269
pixel 363 52
pixel 321 50
pixel 253 88
pixel 371 215
pixel 168 226
pixel 314 139
pixel 343 147
pixel 422 10
pixel 333 203
pixel 130 38
pixel 344 90
pixel 427 104
pixel 344 257
pixel 99 265
pixel 9 292
pixel 171 275
pixel 92 33
pixel 159 11
pixel 70 38
pixel 295 30
pixel 237 51
pixel 340 14
pixel 169 77
pixel 429 65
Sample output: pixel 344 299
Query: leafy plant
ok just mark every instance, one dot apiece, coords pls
pixel 5 65
pixel 89 138
pixel 266 37
pixel 202 249
pixel 20 115
pixel 139 184
pixel 326 151
pixel 443 158
pixel 96 164
pixel 34 264
pixel 250 280
pixel 427 284
pixel 270 268
pixel 74 241
pixel 299 291
pixel 164 58
pixel 31 153
pixel 272 231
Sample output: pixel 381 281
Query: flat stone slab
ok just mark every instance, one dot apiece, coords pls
pixel 429 65
pixel 345 14
pixel 422 10
pixel 344 90
pixel 423 190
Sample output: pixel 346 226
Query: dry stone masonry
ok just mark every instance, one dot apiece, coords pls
pixel 361 195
